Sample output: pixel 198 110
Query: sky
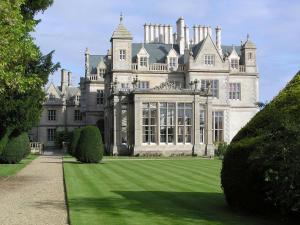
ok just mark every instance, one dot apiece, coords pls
pixel 69 26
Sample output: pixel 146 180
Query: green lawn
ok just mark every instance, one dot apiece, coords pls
pixel 11 169
pixel 149 192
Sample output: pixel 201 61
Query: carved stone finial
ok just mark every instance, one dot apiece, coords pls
pixel 121 17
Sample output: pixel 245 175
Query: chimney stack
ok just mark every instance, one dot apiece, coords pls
pixel 69 78
pixel 64 80
pixel 218 39
pixel 87 61
pixel 146 33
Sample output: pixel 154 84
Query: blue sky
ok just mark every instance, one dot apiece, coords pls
pixel 68 27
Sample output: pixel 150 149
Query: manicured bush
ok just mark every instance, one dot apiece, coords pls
pixel 261 168
pixel 4 140
pixel 74 141
pixel 26 142
pixel 16 149
pixel 62 136
pixel 90 146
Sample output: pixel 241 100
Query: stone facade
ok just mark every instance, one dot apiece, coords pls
pixel 169 95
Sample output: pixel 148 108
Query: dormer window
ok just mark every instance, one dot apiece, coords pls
pixel 143 61
pixel 122 55
pixel 172 62
pixel 209 59
pixel 234 63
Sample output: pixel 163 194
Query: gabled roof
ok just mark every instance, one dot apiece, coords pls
pixel 55 88
pixel 202 43
pixel 158 52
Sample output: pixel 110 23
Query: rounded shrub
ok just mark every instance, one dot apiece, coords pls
pixel 74 141
pixel 90 147
pixel 15 149
pixel 4 138
pixel 261 167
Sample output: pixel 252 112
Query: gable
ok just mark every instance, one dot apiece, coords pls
pixel 143 52
pixel 233 54
pixel 207 47
pixel 52 90
pixel 172 53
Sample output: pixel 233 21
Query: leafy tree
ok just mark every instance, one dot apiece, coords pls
pixel 24 69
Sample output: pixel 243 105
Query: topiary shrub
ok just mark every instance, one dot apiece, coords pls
pixel 261 168
pixel 74 141
pixel 62 136
pixel 26 141
pixel 4 138
pixel 90 147
pixel 15 149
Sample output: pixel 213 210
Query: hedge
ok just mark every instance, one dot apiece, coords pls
pixel 261 168
pixel 74 141
pixel 16 149
pixel 90 146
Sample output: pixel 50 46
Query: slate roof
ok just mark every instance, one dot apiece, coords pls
pixel 94 61
pixel 72 91
pixel 228 48
pixel 158 52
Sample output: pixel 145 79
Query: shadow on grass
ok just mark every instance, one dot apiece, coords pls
pixel 176 206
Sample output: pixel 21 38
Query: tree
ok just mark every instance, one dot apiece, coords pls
pixel 23 68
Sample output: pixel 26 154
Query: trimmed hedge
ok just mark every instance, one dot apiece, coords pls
pixel 16 149
pixel 3 141
pixel 90 147
pixel 74 141
pixel 261 168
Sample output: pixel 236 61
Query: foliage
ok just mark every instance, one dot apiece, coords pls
pixel 90 147
pixel 261 169
pixel 62 136
pixel 15 149
pixel 74 141
pixel 221 150
pixel 23 68
pixel 4 138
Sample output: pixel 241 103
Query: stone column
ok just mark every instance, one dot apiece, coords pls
pixel 197 126
pixel 209 148
pixel 137 124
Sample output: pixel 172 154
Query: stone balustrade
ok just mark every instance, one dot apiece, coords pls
pixel 36 147
pixel 242 68
pixel 158 67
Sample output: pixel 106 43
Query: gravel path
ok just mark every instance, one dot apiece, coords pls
pixel 35 196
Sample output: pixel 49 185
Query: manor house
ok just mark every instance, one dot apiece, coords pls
pixel 175 93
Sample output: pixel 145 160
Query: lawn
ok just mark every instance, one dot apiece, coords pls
pixel 149 192
pixel 7 170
